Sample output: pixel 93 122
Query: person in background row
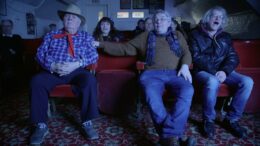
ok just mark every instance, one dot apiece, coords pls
pixel 106 31
pixel 214 62
pixel 63 55
pixel 167 59
pixel 11 51
pixel 176 26
pixel 139 28
pixel 52 27
pixel 148 22
pixel 186 27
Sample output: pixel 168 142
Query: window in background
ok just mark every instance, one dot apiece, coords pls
pixel 3 7
pixel 140 4
pixel 31 24
pixel 125 4
pixel 122 15
pixel 100 15
pixel 155 5
pixel 137 14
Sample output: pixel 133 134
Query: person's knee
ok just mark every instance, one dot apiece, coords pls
pixel 36 81
pixel 212 83
pixel 247 82
pixel 188 91
pixel 151 94
pixel 88 80
pixel 92 79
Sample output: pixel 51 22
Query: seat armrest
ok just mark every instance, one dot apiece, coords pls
pixel 140 65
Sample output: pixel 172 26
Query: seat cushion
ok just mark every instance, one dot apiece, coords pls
pixel 64 90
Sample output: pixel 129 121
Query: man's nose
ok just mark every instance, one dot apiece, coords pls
pixel 217 17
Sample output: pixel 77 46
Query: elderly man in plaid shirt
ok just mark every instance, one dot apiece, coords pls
pixel 63 55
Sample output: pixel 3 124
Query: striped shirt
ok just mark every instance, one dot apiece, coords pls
pixel 56 50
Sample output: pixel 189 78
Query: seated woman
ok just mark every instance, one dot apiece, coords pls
pixel 106 31
pixel 148 24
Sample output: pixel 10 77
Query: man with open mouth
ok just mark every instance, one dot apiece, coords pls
pixel 214 62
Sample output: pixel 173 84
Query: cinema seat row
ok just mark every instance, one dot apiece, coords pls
pixel 118 77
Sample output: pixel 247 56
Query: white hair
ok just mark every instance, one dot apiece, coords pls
pixel 207 16
pixel 160 11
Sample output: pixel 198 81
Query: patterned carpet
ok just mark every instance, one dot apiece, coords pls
pixel 114 131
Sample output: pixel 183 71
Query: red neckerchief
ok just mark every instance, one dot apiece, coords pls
pixel 69 36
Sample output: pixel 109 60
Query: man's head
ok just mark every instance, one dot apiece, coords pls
pixel 52 27
pixel 215 18
pixel 7 26
pixel 72 18
pixel 162 21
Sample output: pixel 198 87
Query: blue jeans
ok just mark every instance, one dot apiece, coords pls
pixel 167 123
pixel 241 84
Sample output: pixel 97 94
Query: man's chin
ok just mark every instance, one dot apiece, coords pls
pixel 160 32
pixel 214 28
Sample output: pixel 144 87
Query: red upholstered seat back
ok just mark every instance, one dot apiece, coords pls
pixel 31 46
pixel 107 62
pixel 117 87
pixel 117 91
pixel 249 53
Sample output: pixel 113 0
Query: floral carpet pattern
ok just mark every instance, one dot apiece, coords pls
pixel 64 127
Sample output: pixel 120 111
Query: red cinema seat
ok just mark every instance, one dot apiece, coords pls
pixel 117 89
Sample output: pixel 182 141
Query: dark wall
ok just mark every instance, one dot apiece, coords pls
pixel 244 20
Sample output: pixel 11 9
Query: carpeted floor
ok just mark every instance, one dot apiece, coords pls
pixel 114 130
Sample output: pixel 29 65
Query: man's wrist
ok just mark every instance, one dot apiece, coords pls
pixel 52 67
pixel 185 66
pixel 80 63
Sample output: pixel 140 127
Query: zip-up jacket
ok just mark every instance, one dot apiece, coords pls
pixel 212 54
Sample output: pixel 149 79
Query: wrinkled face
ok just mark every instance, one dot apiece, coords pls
pixel 149 25
pixel 71 22
pixel 7 27
pixel 161 23
pixel 216 20
pixel 105 27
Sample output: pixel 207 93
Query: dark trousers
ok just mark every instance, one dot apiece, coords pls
pixel 44 82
